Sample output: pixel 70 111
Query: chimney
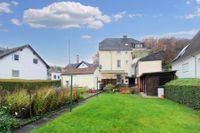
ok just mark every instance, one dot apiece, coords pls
pixel 77 58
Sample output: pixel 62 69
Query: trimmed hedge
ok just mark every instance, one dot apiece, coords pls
pixel 184 91
pixel 13 84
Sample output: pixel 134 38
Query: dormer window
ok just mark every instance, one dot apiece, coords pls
pixel 16 57
pixel 138 46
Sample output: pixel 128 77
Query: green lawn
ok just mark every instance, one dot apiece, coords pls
pixel 117 113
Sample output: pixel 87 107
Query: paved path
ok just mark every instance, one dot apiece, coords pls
pixel 40 122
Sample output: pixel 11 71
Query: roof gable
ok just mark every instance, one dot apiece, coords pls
pixel 7 52
pixel 191 48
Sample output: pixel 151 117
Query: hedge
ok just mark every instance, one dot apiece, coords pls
pixel 184 91
pixel 13 84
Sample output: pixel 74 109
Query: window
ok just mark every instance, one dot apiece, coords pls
pixel 138 45
pixel 126 52
pixel 15 73
pixel 58 77
pixel 118 52
pixel 16 57
pixel 35 61
pixel 185 67
pixel 126 62
pixel 118 63
pixel 54 76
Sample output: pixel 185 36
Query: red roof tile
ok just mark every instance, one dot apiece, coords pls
pixel 89 70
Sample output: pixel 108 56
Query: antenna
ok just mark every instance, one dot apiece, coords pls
pixel 69 52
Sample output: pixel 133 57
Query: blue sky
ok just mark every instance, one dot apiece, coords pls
pixel 48 25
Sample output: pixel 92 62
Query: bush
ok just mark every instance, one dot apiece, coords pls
pixel 7 122
pixel 18 103
pixel 13 84
pixel 133 91
pixel 109 88
pixel 184 91
pixel 82 90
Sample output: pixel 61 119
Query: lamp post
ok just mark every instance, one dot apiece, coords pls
pixel 71 86
pixel 100 67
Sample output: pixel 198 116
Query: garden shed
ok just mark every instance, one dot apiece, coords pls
pixel 149 82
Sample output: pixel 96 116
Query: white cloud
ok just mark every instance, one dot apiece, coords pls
pixel 193 15
pixel 86 37
pixel 119 15
pixel 63 15
pixel 5 8
pixel 15 3
pixel 15 22
pixel 198 1
pixel 135 15
pixel 179 33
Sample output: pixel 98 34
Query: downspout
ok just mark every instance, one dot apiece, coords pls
pixel 195 66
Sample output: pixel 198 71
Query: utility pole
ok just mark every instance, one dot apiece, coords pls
pixel 69 51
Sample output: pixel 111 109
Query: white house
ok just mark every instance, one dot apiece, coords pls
pixel 54 73
pixel 187 62
pixel 84 75
pixel 22 63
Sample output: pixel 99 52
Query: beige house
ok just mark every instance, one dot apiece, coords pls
pixel 116 58
pixel 84 75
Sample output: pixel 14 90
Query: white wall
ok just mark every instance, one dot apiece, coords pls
pixel 192 71
pixel 149 66
pixel 82 80
pixel 28 70
pixel 55 76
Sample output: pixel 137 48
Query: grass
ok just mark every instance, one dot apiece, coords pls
pixel 117 113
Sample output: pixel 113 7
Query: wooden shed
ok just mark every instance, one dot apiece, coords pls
pixel 149 82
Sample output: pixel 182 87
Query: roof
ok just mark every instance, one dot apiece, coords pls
pixel 153 56
pixel 89 70
pixel 158 73
pixel 121 44
pixel 191 48
pixel 6 52
pixel 76 65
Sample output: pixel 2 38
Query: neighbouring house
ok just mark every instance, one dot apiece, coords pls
pixel 84 75
pixel 54 73
pixel 116 58
pixel 22 63
pixel 187 62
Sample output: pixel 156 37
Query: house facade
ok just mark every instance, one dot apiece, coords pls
pixel 187 62
pixel 54 73
pixel 116 58
pixel 22 63
pixel 84 75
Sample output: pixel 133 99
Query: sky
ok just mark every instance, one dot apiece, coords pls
pixel 49 26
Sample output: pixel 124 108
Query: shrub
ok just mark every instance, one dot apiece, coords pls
pixel 132 91
pixel 82 90
pixel 18 103
pixel 109 88
pixel 63 96
pixel 13 84
pixel 7 123
pixel 91 91
pixel 184 91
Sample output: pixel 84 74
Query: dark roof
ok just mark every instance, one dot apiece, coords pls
pixel 89 70
pixel 76 65
pixel 158 73
pixel 153 56
pixel 6 52
pixel 191 48
pixel 121 44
